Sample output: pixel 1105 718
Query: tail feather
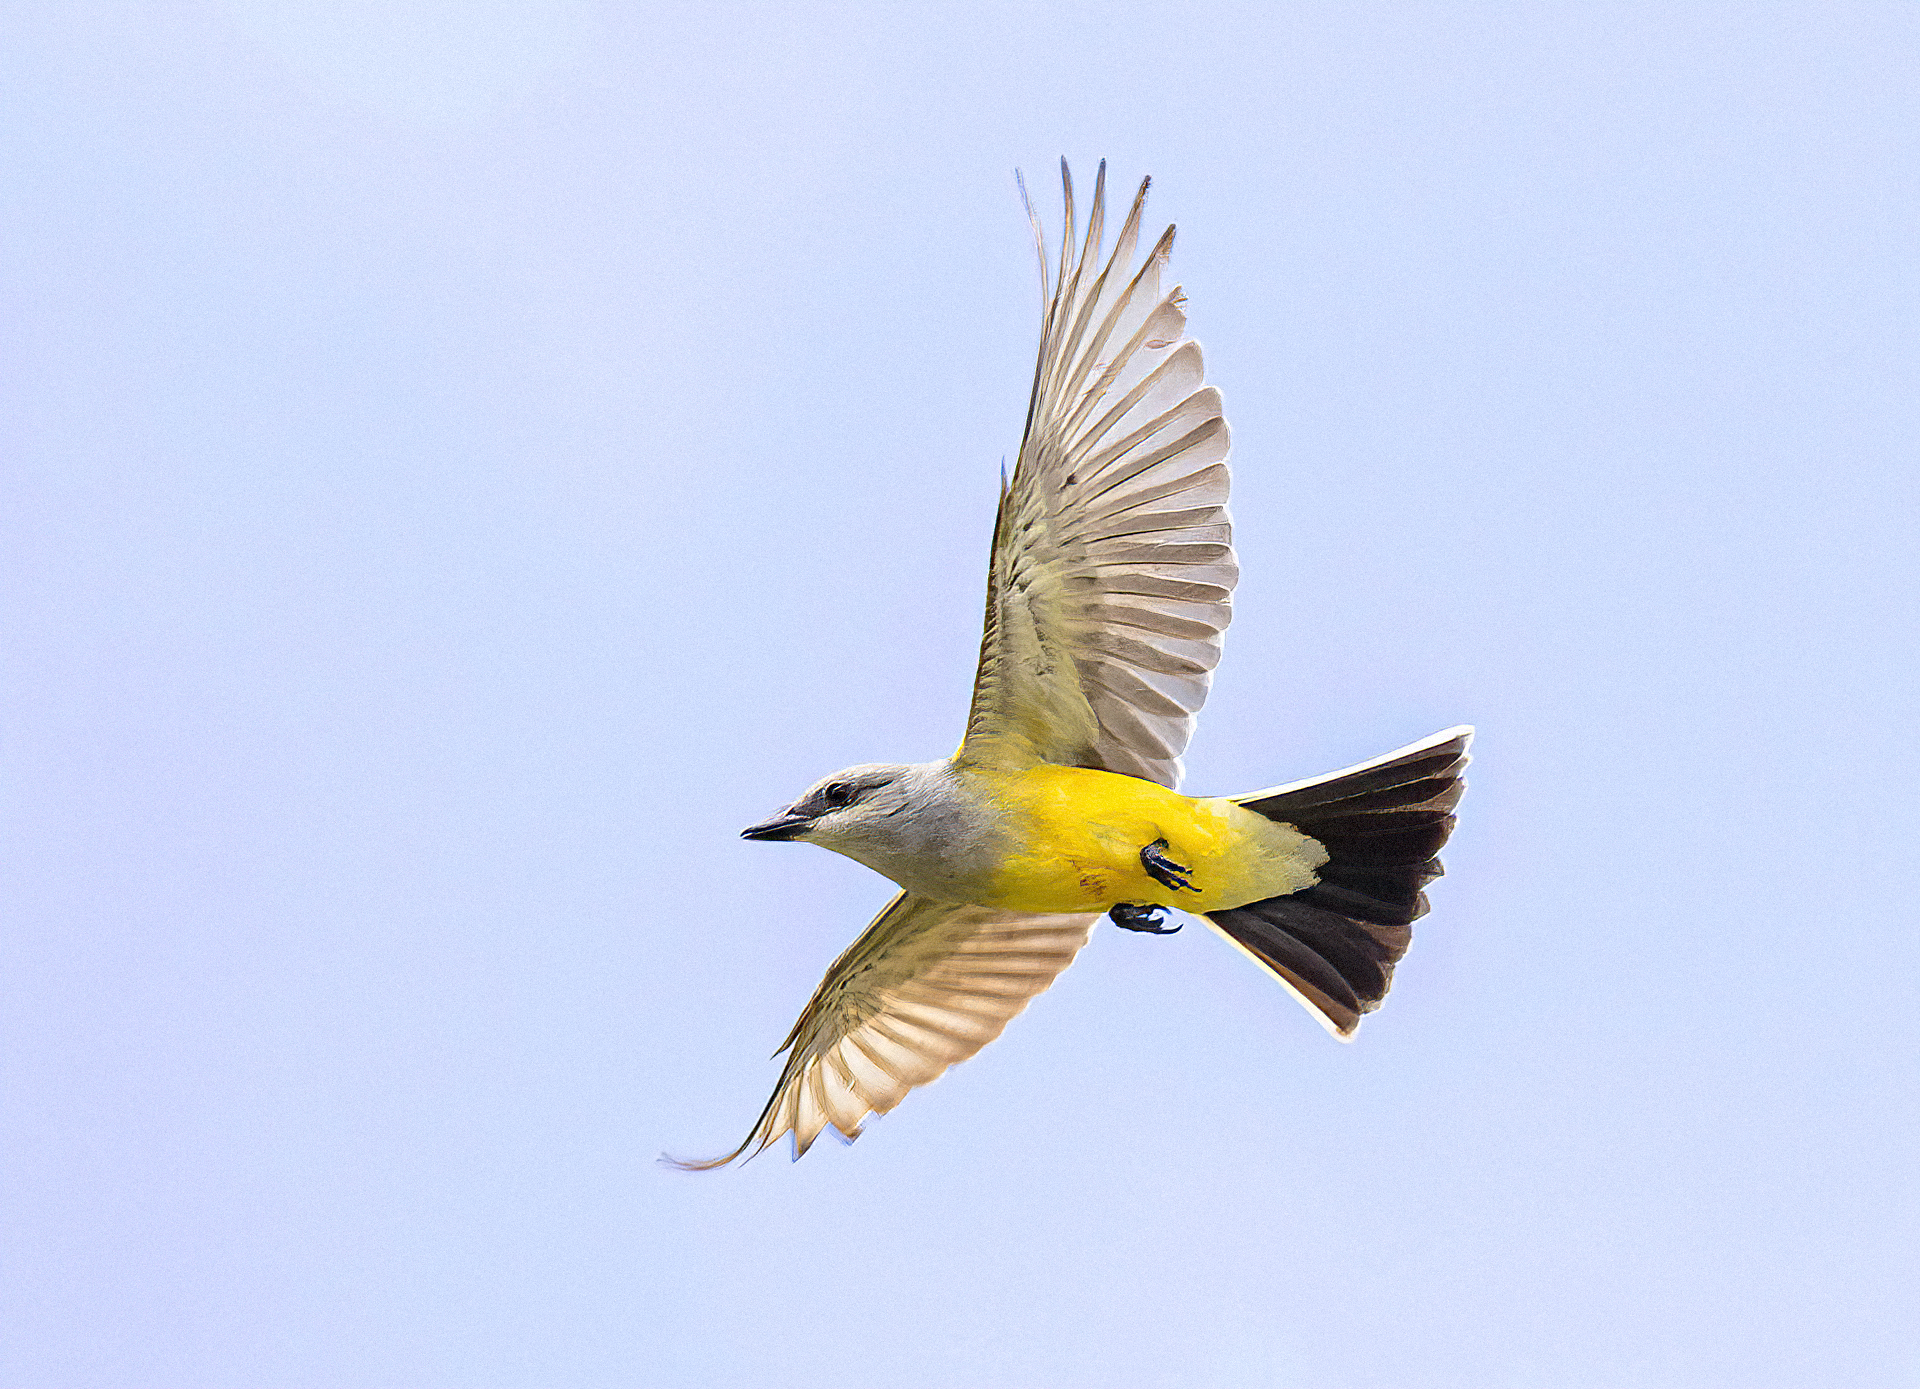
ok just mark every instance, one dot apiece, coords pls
pixel 1334 945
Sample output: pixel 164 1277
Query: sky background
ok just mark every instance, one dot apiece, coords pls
pixel 466 458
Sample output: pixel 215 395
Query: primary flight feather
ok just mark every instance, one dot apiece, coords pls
pixel 1109 587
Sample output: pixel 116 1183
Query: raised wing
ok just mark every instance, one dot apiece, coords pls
pixel 1113 566
pixel 926 985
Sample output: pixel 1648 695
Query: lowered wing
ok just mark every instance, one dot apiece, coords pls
pixel 927 984
pixel 1113 568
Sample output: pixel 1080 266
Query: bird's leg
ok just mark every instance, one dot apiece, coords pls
pixel 1129 916
pixel 1132 916
pixel 1164 870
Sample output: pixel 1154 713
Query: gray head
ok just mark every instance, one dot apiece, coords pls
pixel 834 807
pixel 897 818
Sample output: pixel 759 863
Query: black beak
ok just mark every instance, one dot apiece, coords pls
pixel 785 825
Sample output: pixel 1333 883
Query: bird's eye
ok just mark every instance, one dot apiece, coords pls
pixel 837 794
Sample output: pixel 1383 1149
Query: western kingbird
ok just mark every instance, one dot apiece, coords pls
pixel 1107 593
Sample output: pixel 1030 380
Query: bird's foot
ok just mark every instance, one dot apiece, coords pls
pixel 1129 916
pixel 1164 870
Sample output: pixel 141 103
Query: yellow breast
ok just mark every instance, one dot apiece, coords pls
pixel 1075 837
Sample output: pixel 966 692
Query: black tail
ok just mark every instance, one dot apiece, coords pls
pixel 1335 944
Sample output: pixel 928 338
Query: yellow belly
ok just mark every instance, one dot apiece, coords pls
pixel 1075 838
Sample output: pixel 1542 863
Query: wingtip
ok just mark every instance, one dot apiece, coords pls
pixel 714 1164
pixel 695 1164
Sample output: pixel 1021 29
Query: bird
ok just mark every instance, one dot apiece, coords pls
pixel 1109 588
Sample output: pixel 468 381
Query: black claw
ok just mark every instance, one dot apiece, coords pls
pixel 1164 870
pixel 1129 916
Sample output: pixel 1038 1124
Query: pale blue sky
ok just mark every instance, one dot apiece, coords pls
pixel 465 460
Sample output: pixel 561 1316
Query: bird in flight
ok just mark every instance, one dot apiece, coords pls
pixel 1108 590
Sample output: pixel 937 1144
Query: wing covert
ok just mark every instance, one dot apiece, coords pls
pixel 925 986
pixel 1113 568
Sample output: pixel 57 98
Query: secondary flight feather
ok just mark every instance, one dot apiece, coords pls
pixel 1108 590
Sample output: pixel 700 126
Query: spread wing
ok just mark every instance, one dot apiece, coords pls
pixel 926 985
pixel 1113 566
